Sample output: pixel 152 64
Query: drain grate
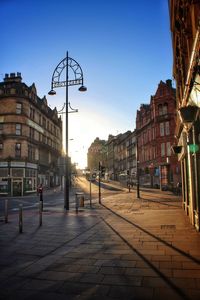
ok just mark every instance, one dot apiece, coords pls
pixel 166 226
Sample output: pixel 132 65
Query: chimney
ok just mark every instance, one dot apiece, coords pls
pixel 169 83
pixel 13 77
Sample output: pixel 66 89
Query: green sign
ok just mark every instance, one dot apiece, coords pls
pixel 193 148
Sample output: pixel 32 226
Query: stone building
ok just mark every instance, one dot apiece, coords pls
pixel 155 127
pixel 30 139
pixel 185 28
pixel 97 153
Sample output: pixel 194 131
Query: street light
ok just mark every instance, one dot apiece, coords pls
pixel 137 169
pixel 67 63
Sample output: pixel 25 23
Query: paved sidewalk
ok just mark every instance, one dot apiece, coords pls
pixel 126 248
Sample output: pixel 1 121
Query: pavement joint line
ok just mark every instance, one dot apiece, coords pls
pixel 163 276
pixel 154 236
pixel 56 250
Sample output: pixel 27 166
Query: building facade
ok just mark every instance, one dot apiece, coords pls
pixel 97 153
pixel 117 154
pixel 155 127
pixel 30 139
pixel 185 28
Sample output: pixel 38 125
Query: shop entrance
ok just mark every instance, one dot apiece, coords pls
pixel 17 187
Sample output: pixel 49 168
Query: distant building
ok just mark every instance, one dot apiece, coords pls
pixel 185 28
pixel 97 152
pixel 155 127
pixel 121 156
pixel 30 139
pixel 117 155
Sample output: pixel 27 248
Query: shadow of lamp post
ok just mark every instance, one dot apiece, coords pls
pixel 67 64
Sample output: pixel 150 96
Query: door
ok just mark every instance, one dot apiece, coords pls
pixel 17 187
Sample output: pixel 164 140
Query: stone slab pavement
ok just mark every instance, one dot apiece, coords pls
pixel 125 248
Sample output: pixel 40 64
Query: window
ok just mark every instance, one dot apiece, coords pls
pixel 162 130
pixel 17 150
pixel 44 122
pixel 1 146
pixel 32 131
pixel 163 149
pixel 168 148
pixel 32 113
pixel 18 108
pixel 1 128
pixel 31 152
pixel 165 108
pixel 18 129
pixel 167 128
pixel 160 111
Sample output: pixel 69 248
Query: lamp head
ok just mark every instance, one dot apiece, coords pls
pixel 82 88
pixel 52 92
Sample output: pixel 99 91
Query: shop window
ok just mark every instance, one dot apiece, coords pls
pixel 18 129
pixel 17 172
pixel 17 150
pixel 3 172
pixel 18 108
pixel 3 185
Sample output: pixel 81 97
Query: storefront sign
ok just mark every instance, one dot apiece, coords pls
pixel 3 164
pixel 31 166
pixel 35 126
pixel 18 164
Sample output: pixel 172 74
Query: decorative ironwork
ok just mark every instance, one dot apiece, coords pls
pixel 74 66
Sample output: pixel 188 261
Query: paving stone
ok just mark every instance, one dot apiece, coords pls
pixel 122 280
pixel 127 292
pixel 53 275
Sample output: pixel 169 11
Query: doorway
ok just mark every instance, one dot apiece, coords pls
pixel 17 187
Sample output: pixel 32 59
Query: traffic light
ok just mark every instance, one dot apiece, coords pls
pixel 102 170
pixel 193 148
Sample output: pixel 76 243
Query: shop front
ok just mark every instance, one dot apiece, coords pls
pixel 17 178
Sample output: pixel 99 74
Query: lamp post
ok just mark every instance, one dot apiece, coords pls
pixel 137 169
pixel 67 64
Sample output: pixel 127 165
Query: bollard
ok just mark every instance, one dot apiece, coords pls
pixel 20 219
pixel 41 199
pixel 90 194
pixel 40 213
pixel 82 201
pixel 77 203
pixel 6 211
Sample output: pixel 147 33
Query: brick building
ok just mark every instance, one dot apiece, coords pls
pixel 30 139
pixel 185 28
pixel 155 127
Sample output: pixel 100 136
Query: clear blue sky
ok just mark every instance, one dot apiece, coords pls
pixel 123 47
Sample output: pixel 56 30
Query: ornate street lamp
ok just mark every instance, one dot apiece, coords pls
pixel 67 64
